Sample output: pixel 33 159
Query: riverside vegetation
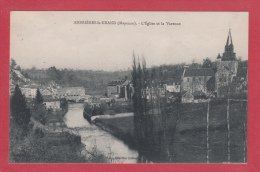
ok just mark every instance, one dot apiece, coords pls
pixel 177 132
pixel 31 141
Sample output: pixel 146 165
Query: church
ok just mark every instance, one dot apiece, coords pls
pixel 227 69
pixel 200 83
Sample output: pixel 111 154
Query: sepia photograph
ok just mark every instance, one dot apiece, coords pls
pixel 128 87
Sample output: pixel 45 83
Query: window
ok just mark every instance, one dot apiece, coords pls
pixel 188 80
pixel 193 78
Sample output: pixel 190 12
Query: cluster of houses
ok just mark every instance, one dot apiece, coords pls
pixel 196 84
pixel 52 94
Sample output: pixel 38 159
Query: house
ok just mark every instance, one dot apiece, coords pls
pixel 88 98
pixel 71 93
pixel 196 84
pixel 96 103
pixel 45 92
pixel 29 92
pixel 235 90
pixel 198 79
pixel 172 87
pixel 154 93
pixel 53 104
pixel 187 97
pixel 118 87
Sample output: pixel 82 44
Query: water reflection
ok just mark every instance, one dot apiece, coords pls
pixel 92 136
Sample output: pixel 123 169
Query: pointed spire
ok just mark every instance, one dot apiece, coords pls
pixel 230 36
pixel 227 39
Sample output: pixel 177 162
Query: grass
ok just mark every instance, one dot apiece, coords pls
pixel 184 136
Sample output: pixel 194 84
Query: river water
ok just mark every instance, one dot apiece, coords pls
pixel 92 136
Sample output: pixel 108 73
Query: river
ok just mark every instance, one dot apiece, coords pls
pixel 92 136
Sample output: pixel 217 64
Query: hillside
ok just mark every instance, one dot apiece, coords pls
pixel 183 132
pixel 95 81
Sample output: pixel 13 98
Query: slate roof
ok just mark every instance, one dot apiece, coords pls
pixel 47 97
pixel 190 72
pixel 51 100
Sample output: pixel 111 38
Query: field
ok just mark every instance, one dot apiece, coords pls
pixel 181 135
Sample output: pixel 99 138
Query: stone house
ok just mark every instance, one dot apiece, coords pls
pixel 71 93
pixel 118 87
pixel 201 79
pixel 53 104
pixel 238 86
pixel 172 86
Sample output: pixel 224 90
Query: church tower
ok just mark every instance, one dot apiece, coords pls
pixel 226 65
pixel 229 49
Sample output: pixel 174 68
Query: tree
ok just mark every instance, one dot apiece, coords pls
pixel 140 81
pixel 207 63
pixel 40 113
pixel 18 108
pixel 39 98
pixel 102 108
pixel 13 63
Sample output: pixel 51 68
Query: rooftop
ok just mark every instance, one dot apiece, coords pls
pixel 51 100
pixel 198 72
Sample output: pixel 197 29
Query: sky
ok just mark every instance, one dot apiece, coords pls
pixel 50 38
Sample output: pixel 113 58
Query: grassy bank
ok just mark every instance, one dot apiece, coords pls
pixel 182 133
pixel 122 128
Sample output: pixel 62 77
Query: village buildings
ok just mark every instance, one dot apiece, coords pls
pixel 198 80
pixel 197 83
pixel 229 76
pixel 53 104
pixel 70 93
pixel 118 88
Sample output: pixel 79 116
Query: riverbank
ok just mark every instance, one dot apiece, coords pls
pixel 183 133
pixel 121 127
pixel 114 149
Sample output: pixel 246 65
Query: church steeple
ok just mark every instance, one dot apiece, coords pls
pixel 229 49
pixel 230 37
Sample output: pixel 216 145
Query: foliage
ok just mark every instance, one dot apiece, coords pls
pixel 119 108
pixel 38 98
pixel 40 113
pixel 15 77
pixel 13 64
pixel 96 110
pixel 141 126
pixel 19 109
pixel 207 63
pixel 63 103
pixel 92 80
pixel 243 63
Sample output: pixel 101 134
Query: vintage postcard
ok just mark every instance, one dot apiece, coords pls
pixel 128 87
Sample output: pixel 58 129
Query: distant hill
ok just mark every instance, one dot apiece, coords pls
pixel 17 76
pixel 93 81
